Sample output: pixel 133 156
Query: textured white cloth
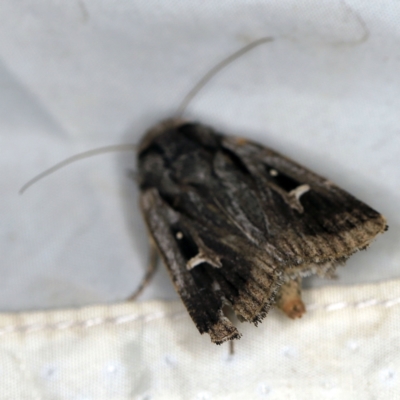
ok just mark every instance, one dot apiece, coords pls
pixel 346 347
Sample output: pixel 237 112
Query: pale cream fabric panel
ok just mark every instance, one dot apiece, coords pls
pixel 346 347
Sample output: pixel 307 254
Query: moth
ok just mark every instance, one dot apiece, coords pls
pixel 237 224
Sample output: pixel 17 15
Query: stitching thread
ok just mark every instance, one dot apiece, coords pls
pixel 340 305
pixel 128 318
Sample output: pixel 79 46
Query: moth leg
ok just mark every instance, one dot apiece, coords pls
pixel 151 269
pixel 289 299
pixel 231 347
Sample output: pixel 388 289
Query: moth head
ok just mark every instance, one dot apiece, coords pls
pixel 157 130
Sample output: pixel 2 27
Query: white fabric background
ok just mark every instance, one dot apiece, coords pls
pixel 347 347
pixel 80 74
pixel 77 75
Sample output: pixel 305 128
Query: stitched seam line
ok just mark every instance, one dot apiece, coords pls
pixel 129 318
pixel 88 323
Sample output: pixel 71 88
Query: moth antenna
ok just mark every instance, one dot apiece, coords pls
pixel 214 71
pixel 77 157
pixel 181 109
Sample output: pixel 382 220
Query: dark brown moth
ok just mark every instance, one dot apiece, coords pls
pixel 236 223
